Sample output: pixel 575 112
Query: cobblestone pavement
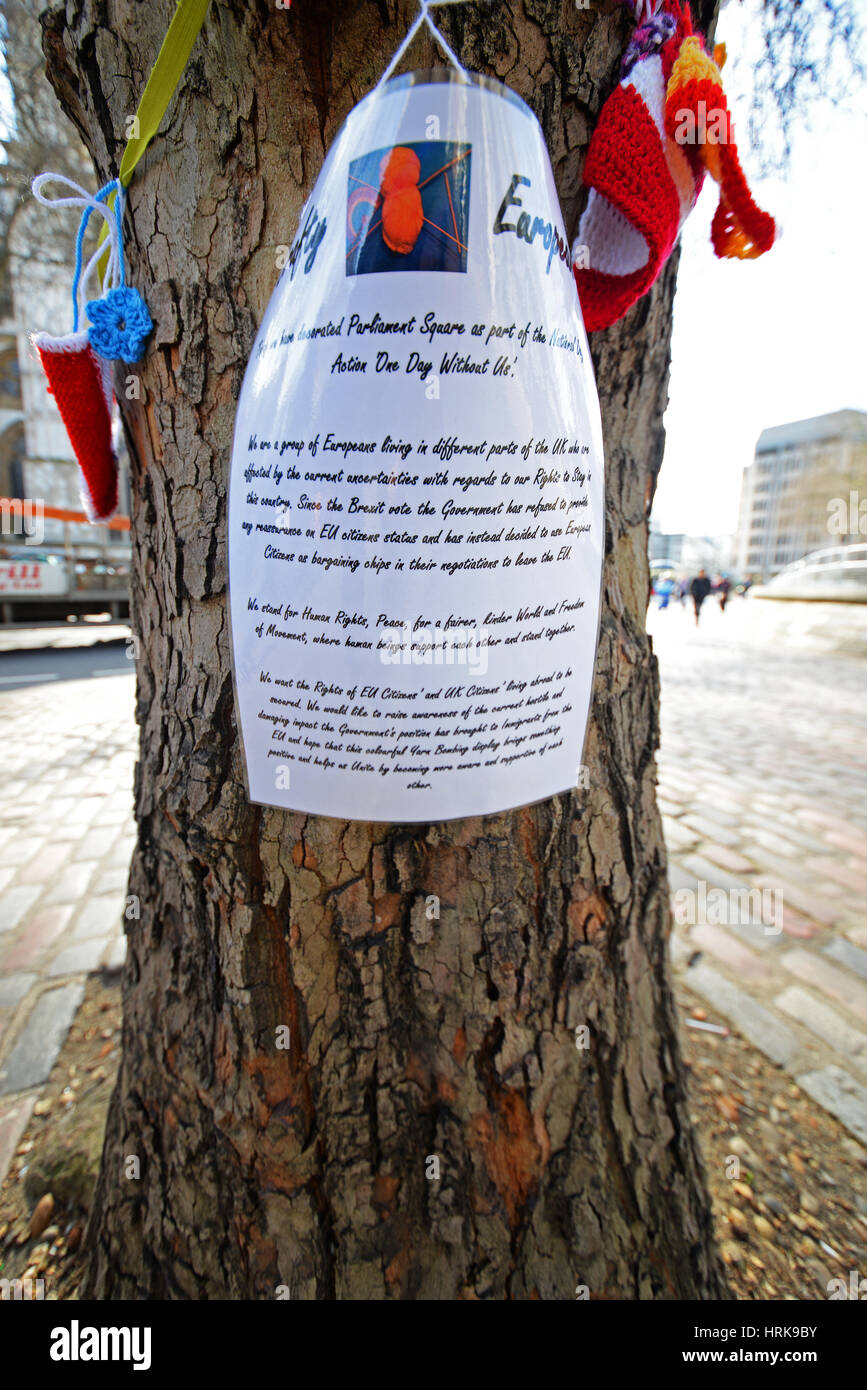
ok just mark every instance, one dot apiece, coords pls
pixel 66 835
pixel 763 789
pixel 763 770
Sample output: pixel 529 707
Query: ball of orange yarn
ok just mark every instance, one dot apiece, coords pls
pixel 402 213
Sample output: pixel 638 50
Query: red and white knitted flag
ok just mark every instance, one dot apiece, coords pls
pixel 80 382
pixel 664 125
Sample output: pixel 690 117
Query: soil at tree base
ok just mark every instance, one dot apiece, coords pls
pixel 789 1185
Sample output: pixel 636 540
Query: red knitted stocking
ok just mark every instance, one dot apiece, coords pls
pixel 81 385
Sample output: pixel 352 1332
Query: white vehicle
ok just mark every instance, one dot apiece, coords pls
pixel 32 576
pixel 43 585
pixel 835 575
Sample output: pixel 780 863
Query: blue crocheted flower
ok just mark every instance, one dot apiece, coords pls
pixel 120 323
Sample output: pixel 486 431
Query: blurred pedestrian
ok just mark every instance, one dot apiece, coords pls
pixel 664 588
pixel 683 590
pixel 699 589
pixel 723 588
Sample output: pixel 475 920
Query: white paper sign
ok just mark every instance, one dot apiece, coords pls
pixel 416 495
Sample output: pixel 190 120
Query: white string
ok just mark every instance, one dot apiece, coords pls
pixel 423 17
pixel 111 278
pixel 83 200
pixel 645 11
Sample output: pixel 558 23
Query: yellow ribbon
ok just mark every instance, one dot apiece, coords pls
pixel 165 76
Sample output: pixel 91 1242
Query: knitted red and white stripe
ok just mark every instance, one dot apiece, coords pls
pixel 80 382
pixel 644 182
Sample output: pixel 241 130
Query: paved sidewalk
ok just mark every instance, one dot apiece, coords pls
pixel 763 788
pixel 763 771
pixel 66 835
pixel 60 636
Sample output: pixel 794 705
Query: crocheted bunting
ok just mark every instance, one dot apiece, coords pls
pixel 740 228
pixel 645 167
pixel 633 213
pixel 81 385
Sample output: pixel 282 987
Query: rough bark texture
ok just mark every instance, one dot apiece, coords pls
pixel 306 1168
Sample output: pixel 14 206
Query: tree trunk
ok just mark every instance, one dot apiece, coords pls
pixel 307 1168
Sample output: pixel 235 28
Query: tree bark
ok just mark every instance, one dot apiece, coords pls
pixel 261 1167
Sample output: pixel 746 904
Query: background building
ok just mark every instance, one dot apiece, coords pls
pixel 37 253
pixel 12 439
pixel 788 491
pixel 689 554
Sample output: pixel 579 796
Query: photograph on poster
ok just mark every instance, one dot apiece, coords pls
pixel 408 208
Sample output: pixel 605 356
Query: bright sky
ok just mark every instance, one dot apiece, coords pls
pixel 763 342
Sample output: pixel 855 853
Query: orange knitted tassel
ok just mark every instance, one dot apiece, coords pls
pixel 740 229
